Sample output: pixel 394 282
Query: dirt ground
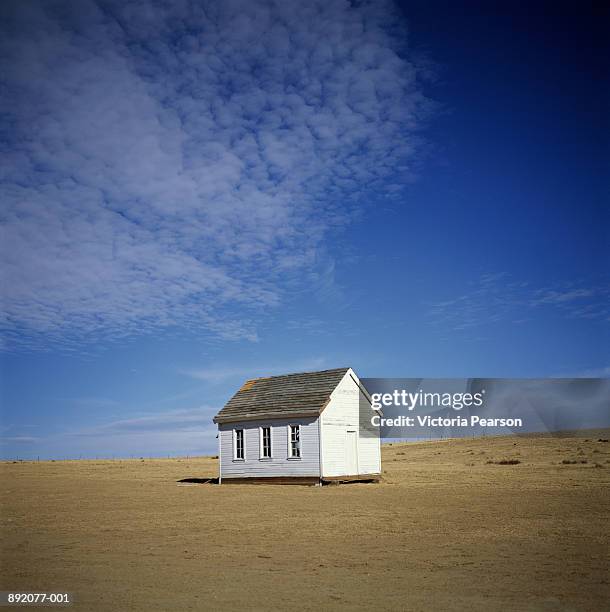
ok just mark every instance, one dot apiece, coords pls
pixel 446 530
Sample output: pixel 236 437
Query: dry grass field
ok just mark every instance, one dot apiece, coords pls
pixel 446 530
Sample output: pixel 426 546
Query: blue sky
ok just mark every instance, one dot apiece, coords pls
pixel 198 193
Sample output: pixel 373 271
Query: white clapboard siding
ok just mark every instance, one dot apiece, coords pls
pixel 279 464
pixel 369 455
pixel 340 416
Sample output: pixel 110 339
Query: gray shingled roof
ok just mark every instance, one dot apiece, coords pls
pixel 289 395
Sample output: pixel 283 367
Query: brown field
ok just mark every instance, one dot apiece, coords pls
pixel 446 530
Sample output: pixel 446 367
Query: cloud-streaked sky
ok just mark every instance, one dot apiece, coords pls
pixel 177 164
pixel 198 192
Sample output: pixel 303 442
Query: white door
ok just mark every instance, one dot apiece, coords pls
pixel 351 450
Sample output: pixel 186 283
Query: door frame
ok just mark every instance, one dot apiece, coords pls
pixel 348 433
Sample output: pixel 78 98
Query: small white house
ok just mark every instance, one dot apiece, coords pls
pixel 303 428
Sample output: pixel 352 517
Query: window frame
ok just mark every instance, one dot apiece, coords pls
pixel 261 443
pixel 292 457
pixel 243 444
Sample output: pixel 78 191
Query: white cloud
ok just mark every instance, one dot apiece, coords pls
pixel 603 372
pixel 216 374
pixel 498 297
pixel 178 164
pixel 552 296
pixel 171 432
pixel 194 419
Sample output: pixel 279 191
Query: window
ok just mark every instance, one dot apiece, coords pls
pixel 238 444
pixel 294 441
pixel 265 443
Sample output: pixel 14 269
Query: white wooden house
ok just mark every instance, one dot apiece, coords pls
pixel 298 428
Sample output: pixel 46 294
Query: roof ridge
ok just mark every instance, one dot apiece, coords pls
pixel 300 373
